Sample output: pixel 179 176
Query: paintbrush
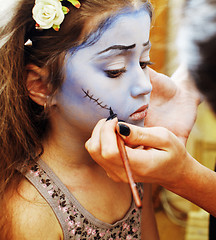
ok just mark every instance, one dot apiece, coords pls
pixel 125 161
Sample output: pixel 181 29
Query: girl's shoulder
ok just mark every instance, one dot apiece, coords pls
pixel 27 214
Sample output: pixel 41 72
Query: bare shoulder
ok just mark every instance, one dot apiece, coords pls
pixel 28 215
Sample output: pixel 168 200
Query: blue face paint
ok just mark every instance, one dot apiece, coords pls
pixel 111 72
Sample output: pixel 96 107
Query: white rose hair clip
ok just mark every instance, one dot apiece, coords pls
pixel 50 13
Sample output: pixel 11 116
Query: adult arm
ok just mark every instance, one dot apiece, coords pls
pixel 164 161
pixel 173 105
pixel 168 163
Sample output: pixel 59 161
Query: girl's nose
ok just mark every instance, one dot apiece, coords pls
pixel 142 85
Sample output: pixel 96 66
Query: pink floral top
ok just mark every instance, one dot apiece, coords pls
pixel 76 221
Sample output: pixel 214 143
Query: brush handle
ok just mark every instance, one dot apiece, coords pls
pixel 125 160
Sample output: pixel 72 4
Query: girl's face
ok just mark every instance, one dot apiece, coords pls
pixel 110 73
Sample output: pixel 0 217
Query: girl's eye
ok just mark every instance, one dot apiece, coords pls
pixel 114 73
pixel 143 65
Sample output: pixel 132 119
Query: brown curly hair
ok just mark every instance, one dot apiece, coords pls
pixel 23 123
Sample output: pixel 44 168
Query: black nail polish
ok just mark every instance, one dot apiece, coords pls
pixel 124 130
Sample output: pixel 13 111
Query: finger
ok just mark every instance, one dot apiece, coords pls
pixel 116 178
pixel 162 84
pixel 147 165
pixel 158 78
pixel 110 151
pixel 155 137
pixel 93 144
pixel 109 147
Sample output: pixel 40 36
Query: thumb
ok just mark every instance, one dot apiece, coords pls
pixel 162 85
pixel 154 137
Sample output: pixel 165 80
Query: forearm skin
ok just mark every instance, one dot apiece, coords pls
pixel 198 185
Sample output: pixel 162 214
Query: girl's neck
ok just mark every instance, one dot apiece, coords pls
pixel 64 148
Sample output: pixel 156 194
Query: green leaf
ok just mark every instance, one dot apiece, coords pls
pixel 56 27
pixel 76 3
pixel 65 10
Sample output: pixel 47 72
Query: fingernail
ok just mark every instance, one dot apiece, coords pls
pixel 112 116
pixel 124 130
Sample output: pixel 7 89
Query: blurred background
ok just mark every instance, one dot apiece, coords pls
pixel 177 218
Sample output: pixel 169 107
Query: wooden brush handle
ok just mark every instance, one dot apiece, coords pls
pixel 125 160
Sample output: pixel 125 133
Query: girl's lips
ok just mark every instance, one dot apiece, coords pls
pixel 140 113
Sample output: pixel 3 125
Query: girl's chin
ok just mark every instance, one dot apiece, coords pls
pixel 139 123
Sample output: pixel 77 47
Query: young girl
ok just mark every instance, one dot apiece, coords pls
pixel 64 64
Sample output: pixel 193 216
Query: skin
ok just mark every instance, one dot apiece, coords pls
pixel 71 119
pixel 165 161
pixel 173 103
pixel 86 74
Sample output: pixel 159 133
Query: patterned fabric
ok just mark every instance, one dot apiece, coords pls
pixel 76 221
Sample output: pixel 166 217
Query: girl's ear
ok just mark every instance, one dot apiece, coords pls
pixel 36 84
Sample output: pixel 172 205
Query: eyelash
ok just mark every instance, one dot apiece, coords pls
pixel 143 65
pixel 117 73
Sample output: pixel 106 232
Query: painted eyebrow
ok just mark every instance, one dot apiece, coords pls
pixel 118 47
pixel 122 47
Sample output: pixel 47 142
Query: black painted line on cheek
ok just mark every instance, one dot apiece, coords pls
pixel 95 100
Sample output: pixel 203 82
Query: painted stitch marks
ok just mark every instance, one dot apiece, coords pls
pixel 95 100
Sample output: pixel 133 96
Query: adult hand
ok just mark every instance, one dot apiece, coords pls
pixel 162 161
pixel 173 106
pixel 162 158
pixel 173 103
